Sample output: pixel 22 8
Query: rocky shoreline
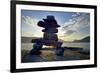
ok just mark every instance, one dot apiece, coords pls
pixel 70 53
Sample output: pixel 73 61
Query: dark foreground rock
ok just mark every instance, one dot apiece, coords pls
pixel 33 58
pixel 48 54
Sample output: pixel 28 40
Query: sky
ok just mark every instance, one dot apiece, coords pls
pixel 74 25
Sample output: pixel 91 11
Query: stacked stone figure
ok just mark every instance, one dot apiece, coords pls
pixel 50 37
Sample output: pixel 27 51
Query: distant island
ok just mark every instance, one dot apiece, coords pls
pixel 85 39
pixel 29 39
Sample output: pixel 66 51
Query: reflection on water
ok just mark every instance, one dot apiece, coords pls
pixel 85 46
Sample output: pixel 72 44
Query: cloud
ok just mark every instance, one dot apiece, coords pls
pixel 27 34
pixel 77 14
pixel 78 22
pixel 69 32
pixel 30 21
pixel 29 26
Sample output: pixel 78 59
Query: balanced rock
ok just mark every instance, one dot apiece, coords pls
pixel 50 22
pixel 50 37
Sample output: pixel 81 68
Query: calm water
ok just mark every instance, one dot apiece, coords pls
pixel 86 46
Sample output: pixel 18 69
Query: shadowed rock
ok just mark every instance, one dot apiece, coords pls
pixel 51 30
pixel 50 22
pixel 50 37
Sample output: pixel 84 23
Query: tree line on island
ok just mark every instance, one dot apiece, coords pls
pixel 85 39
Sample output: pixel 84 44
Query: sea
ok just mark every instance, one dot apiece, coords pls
pixel 84 45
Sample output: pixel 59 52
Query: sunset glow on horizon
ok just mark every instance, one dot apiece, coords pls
pixel 74 25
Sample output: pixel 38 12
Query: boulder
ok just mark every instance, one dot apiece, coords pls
pixel 50 30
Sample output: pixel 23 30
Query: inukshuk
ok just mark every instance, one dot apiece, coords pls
pixel 50 37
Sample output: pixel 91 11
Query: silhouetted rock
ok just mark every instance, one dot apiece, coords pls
pixel 39 40
pixel 36 49
pixel 33 58
pixel 59 50
pixel 49 22
pixel 50 30
pixel 50 37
